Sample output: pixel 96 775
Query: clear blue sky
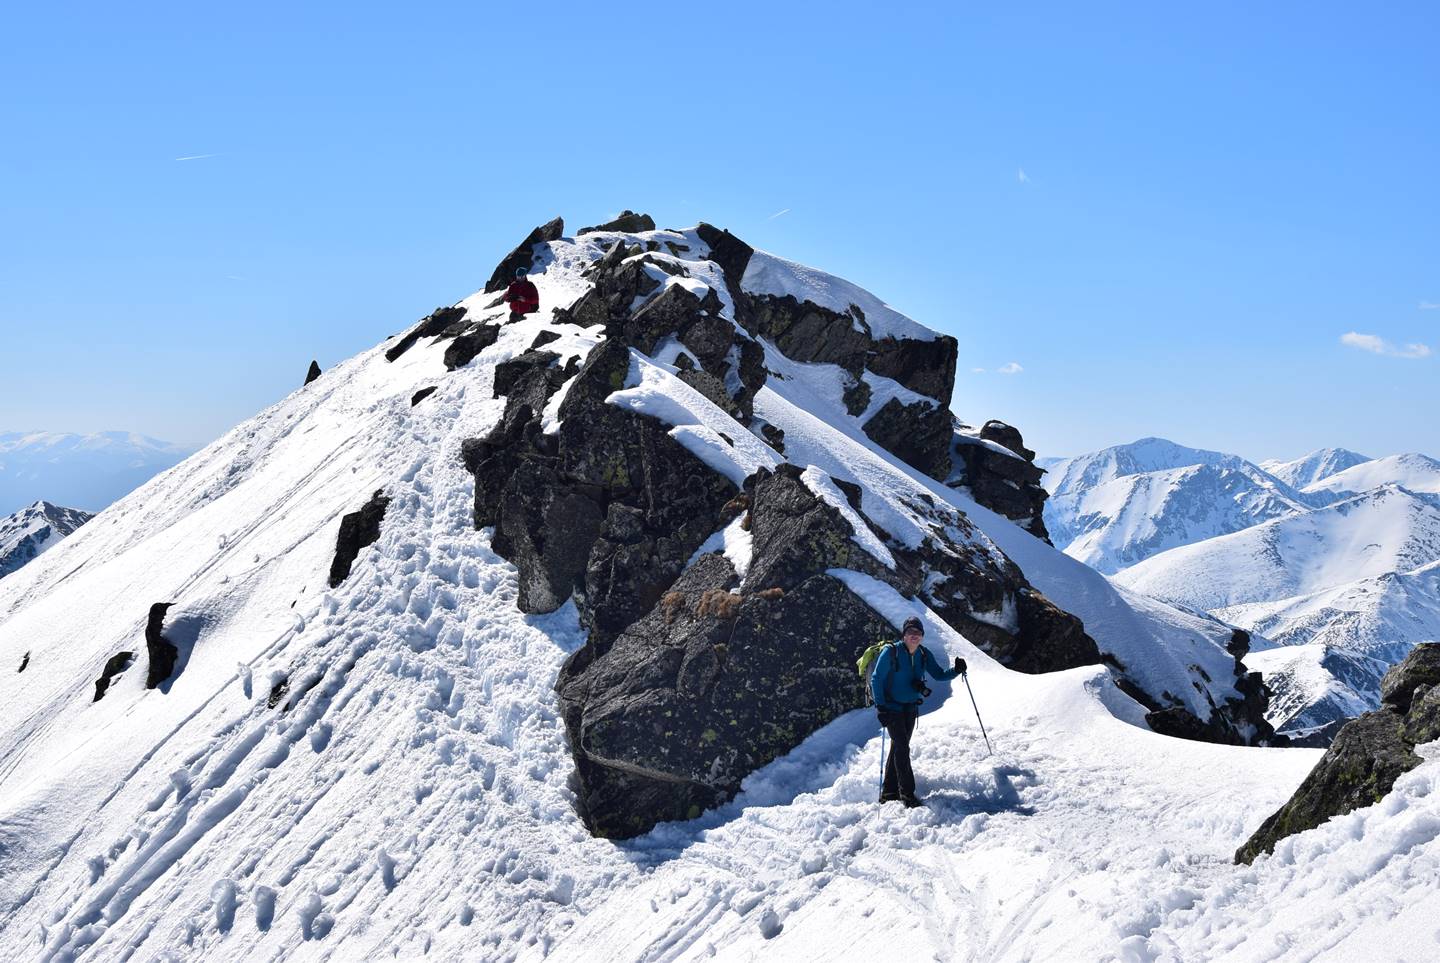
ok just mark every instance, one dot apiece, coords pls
pixel 1212 196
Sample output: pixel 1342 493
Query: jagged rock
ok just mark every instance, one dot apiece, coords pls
pixel 924 366
pixel 774 437
pixel 544 338
pixel 465 347
pixel 857 397
pixel 161 651
pixel 116 664
pixel 1007 436
pixel 806 332
pixel 627 223
pixel 698 693
pixel 1367 756
pixel 618 284
pixel 1358 769
pixel 357 529
pixel 1239 644
pixel 422 394
pixel 524 254
pixel 24 662
pixel 1180 723
pixel 507 373
pixel 918 434
pixel 713 389
pixel 313 373
pixel 1007 484
pixel 1422 723
pixel 1420 667
pixel 429 326
pixel 732 254
pixel 278 690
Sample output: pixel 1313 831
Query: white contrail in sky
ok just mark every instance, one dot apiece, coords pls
pixel 777 214
pixel 196 157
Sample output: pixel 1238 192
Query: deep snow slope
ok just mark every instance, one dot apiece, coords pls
pixel 378 770
pixel 1418 473
pixel 1311 468
pixel 33 530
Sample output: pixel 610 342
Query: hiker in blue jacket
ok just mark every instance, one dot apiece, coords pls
pixel 897 685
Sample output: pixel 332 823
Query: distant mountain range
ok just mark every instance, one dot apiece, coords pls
pixel 1332 560
pixel 87 472
pixel 32 530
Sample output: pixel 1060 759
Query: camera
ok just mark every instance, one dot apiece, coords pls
pixel 921 687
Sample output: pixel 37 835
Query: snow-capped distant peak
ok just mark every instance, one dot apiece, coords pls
pixel 1415 472
pixel 1148 454
pixel 1311 468
pixel 32 530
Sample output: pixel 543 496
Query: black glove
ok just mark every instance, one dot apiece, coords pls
pixel 959 665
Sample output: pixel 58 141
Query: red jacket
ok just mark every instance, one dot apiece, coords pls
pixel 522 296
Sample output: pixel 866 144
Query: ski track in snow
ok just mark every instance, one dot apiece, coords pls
pixel 408 795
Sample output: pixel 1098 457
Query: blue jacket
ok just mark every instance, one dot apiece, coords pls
pixel 892 681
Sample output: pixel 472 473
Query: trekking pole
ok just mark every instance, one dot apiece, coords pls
pixel 988 750
pixel 882 758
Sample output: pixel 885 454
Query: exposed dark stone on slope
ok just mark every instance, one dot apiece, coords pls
pixel 116 664
pixel 924 366
pixel 278 690
pixel 313 373
pixel 857 397
pixel 918 434
pixel 160 650
pixel 1239 644
pixel 808 333
pixel 1007 484
pixel 1420 667
pixel 24 662
pixel 507 373
pixel 618 283
pixel 705 689
pixel 465 347
pixel 1367 756
pixel 524 254
pixel 422 394
pixel 544 338
pixel 627 223
pixel 774 437
pixel 733 255
pixel 429 326
pixel 1358 769
pixel 357 529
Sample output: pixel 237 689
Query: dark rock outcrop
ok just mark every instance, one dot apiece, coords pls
pixel 524 254
pixel 357 529
pixel 115 665
pixel 313 373
pixel 422 394
pixel 432 325
pixel 161 651
pixel 24 662
pixel 1007 484
pixel 507 373
pixel 1367 756
pixel 465 347
pixel 918 433
pixel 627 223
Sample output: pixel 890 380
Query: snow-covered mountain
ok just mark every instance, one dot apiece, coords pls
pixel 1418 473
pixel 32 530
pixel 289 700
pixel 87 471
pixel 1117 507
pixel 1386 530
pixel 1313 467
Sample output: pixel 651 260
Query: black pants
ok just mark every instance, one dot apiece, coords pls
pixel 899 779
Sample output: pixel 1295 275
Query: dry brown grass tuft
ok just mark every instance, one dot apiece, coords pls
pixel 672 604
pixel 772 594
pixel 719 604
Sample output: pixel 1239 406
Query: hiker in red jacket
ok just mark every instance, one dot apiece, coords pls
pixel 522 296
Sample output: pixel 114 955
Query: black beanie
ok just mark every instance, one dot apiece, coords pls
pixel 912 623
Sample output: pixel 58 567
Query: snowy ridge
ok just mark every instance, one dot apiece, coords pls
pixel 378 769
pixel 1417 473
pixel 1311 468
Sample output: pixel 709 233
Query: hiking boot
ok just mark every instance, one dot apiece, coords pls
pixel 889 796
pixel 911 802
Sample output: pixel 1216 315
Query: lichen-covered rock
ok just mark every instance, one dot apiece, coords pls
pixel 1358 769
pixel 704 689
pixel 524 254
pixel 1420 667
pixel 1367 756
pixel 627 223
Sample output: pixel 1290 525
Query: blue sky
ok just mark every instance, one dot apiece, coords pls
pixel 1212 198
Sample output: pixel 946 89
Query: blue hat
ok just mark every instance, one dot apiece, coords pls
pixel 520 272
